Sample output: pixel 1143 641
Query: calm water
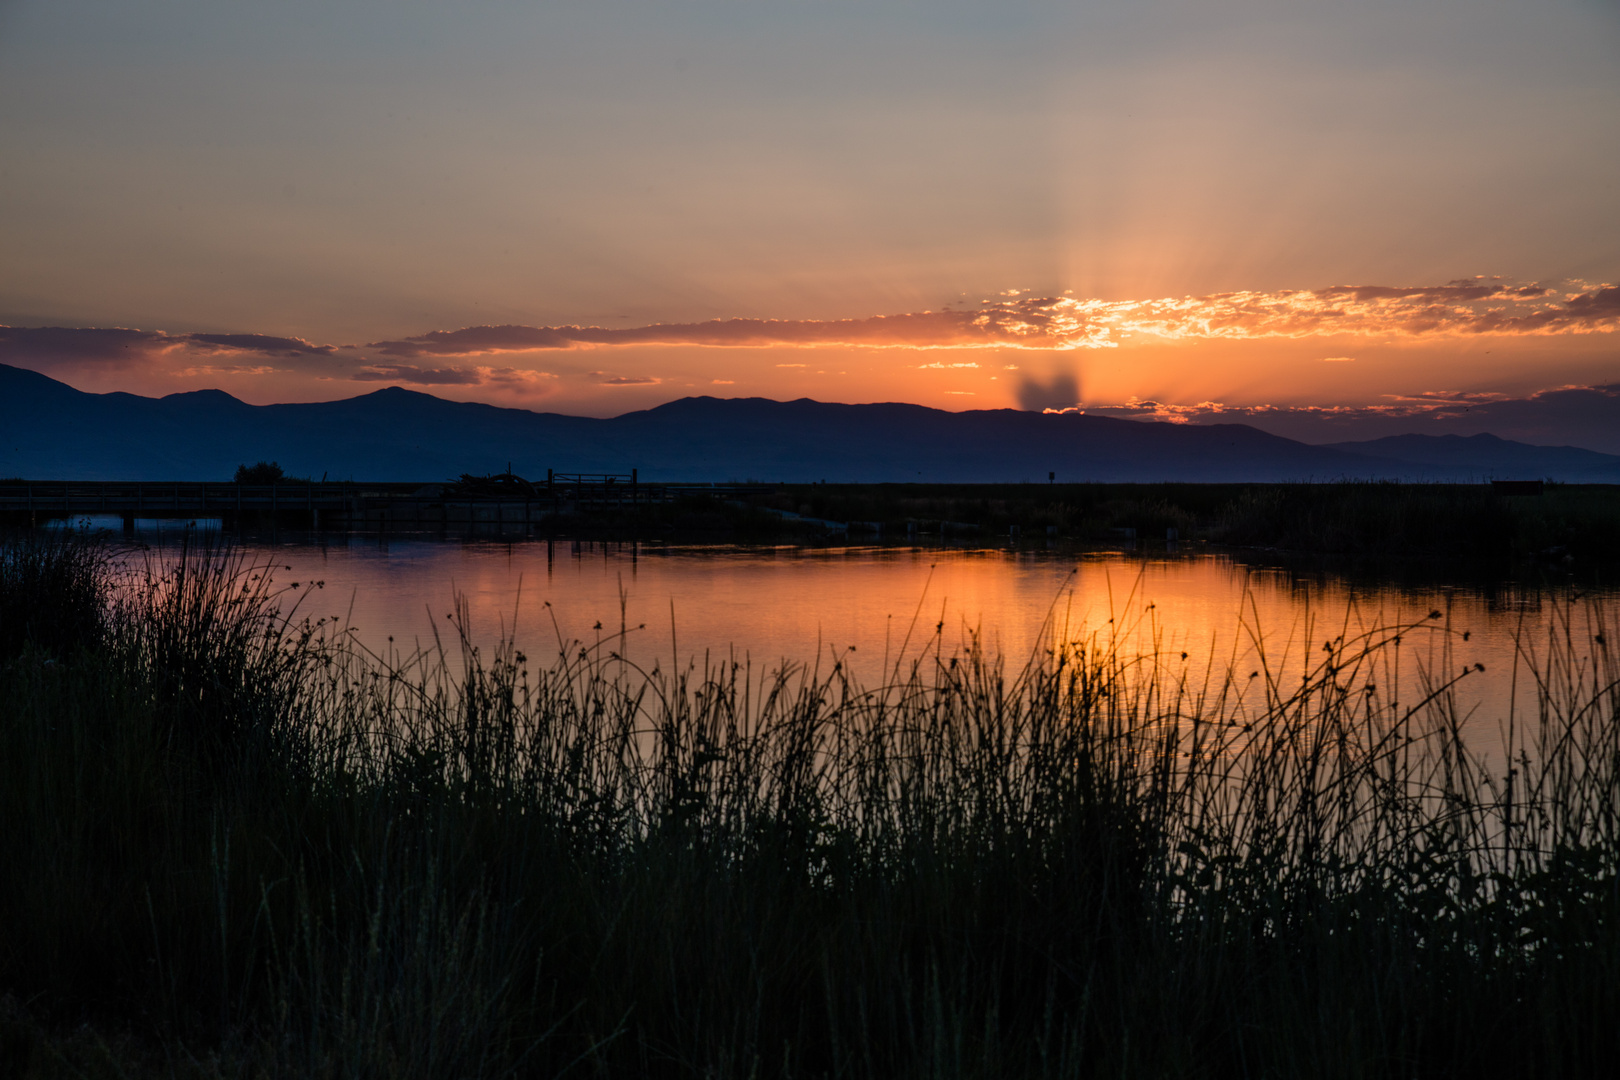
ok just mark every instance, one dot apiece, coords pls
pixel 874 606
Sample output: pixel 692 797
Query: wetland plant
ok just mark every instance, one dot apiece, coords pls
pixel 234 842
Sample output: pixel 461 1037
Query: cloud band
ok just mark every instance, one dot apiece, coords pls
pixel 1474 306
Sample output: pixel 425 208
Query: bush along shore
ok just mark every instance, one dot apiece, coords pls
pixel 1363 518
pixel 233 843
pixel 1565 524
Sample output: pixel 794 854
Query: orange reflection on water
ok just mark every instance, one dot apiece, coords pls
pixel 879 608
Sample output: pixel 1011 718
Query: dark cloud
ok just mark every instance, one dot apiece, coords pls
pixel 1582 311
pixel 473 340
pixel 1463 290
pixel 1005 324
pixel 198 355
pixel 117 345
pixel 71 345
pixel 1454 291
pixel 1062 391
pixel 262 343
pixel 1601 304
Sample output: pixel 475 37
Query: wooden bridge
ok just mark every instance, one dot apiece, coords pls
pixel 346 505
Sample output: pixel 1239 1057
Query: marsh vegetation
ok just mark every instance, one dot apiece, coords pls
pixel 1385 521
pixel 234 842
pixel 1364 518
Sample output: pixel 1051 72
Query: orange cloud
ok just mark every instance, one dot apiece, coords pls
pixel 116 346
pixel 417 376
pixel 1012 320
pixel 1030 322
pixel 1584 415
pixel 1471 306
pixel 449 376
pixel 467 358
pixel 1460 307
pixel 609 379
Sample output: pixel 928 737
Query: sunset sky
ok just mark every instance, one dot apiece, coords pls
pixel 597 206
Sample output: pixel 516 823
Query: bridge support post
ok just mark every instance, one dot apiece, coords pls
pixel 129 523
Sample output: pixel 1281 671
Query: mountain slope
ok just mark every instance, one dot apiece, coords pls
pixel 50 430
pixel 1486 457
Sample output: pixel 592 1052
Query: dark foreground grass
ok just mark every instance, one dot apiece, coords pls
pixel 234 844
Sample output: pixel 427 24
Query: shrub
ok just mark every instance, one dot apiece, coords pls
pixel 264 472
pixel 52 590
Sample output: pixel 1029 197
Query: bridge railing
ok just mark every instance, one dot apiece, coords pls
pixel 186 498
pixel 562 479
pixel 202 497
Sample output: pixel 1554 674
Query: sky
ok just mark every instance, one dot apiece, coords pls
pixel 1185 210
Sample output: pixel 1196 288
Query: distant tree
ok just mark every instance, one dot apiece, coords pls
pixel 265 472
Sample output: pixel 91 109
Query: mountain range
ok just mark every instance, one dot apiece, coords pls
pixel 49 430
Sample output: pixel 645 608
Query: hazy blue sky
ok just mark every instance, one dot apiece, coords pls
pixel 352 172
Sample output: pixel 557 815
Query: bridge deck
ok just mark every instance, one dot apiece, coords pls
pixel 359 501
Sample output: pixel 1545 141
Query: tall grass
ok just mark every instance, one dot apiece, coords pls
pixel 52 592
pixel 236 843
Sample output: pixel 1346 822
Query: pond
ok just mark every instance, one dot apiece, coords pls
pixel 1206 619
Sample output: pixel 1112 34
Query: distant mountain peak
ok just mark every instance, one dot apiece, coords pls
pixel 217 397
pixel 398 393
pixel 1489 456
pixel 54 431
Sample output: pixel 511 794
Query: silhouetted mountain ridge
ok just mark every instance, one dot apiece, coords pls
pixel 1486 454
pixel 51 430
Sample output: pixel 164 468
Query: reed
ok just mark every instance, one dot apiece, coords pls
pixel 236 843
pixel 52 592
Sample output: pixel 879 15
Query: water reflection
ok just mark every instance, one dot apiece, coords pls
pixel 1203 616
